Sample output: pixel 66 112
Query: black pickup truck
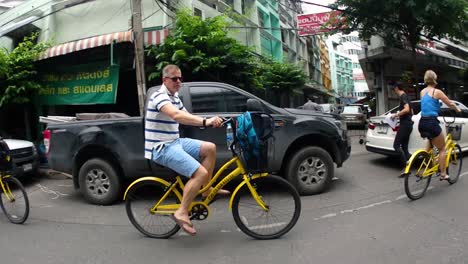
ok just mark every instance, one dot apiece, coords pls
pixel 103 155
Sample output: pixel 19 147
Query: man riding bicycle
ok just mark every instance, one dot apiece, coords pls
pixel 429 124
pixel 164 113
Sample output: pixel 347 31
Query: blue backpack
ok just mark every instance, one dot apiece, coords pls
pixel 252 131
pixel 247 136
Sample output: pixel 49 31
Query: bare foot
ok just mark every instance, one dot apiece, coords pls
pixel 444 177
pixel 184 222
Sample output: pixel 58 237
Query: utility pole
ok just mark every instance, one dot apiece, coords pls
pixel 139 54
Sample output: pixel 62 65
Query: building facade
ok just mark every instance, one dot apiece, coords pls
pixel 269 26
pixel 383 65
pixel 351 45
pixel 341 66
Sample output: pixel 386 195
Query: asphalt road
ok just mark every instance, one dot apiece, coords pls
pixel 364 218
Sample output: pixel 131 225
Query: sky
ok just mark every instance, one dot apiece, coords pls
pixel 308 9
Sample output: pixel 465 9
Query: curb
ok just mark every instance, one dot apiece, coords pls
pixel 53 174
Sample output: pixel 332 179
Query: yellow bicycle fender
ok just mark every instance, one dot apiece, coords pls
pixel 415 154
pixel 150 178
pixel 242 184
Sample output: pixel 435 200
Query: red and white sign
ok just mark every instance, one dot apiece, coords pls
pixel 311 24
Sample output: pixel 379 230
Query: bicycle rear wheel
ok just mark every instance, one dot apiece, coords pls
pixel 415 184
pixel 16 204
pixel 455 164
pixel 138 203
pixel 282 200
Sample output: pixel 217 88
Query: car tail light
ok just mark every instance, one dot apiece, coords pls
pixel 47 140
pixel 371 126
pixel 395 129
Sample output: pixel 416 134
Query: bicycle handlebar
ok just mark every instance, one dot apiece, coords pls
pixel 454 115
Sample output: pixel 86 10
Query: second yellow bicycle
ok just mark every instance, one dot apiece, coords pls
pixel 424 164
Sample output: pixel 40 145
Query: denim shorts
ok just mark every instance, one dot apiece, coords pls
pixel 429 127
pixel 181 156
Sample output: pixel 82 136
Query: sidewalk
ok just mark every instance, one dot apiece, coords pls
pixel 52 174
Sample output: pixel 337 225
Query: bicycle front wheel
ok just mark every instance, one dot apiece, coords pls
pixel 140 199
pixel 455 164
pixel 415 183
pixel 14 203
pixel 283 208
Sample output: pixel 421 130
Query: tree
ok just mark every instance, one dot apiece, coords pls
pixel 18 76
pixel 205 52
pixel 403 22
pixel 18 82
pixel 282 76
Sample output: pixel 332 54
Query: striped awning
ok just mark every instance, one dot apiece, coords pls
pixel 153 37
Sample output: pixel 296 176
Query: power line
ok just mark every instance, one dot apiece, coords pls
pixel 9 21
pixel 285 6
pixel 150 15
pixel 166 5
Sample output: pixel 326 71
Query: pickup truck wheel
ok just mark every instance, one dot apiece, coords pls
pixel 310 170
pixel 99 182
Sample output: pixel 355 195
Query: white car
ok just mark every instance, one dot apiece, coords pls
pixel 380 135
pixel 24 156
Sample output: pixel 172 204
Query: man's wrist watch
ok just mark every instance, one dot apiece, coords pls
pixel 204 122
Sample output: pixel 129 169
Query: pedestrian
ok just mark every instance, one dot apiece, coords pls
pixel 429 125
pixel 189 157
pixel 312 105
pixel 404 114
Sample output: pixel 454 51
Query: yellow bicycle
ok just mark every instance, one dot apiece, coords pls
pixel 13 197
pixel 424 164
pixel 263 206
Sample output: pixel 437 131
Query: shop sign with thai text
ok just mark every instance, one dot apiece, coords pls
pixel 80 84
pixel 312 24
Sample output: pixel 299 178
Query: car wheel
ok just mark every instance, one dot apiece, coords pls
pixel 310 170
pixel 99 182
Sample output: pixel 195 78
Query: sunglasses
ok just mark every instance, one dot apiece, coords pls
pixel 174 79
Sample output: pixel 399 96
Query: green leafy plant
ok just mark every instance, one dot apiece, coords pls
pixel 282 77
pixel 18 82
pixel 205 52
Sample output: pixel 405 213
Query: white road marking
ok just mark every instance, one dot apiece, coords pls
pixel 331 215
pixel 244 220
pixel 326 216
pixel 266 226
pixel 401 197
pixel 45 206
pixel 56 194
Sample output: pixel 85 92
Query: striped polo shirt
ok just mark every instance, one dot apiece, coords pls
pixel 159 127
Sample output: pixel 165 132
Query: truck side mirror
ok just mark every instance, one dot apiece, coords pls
pixel 254 105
